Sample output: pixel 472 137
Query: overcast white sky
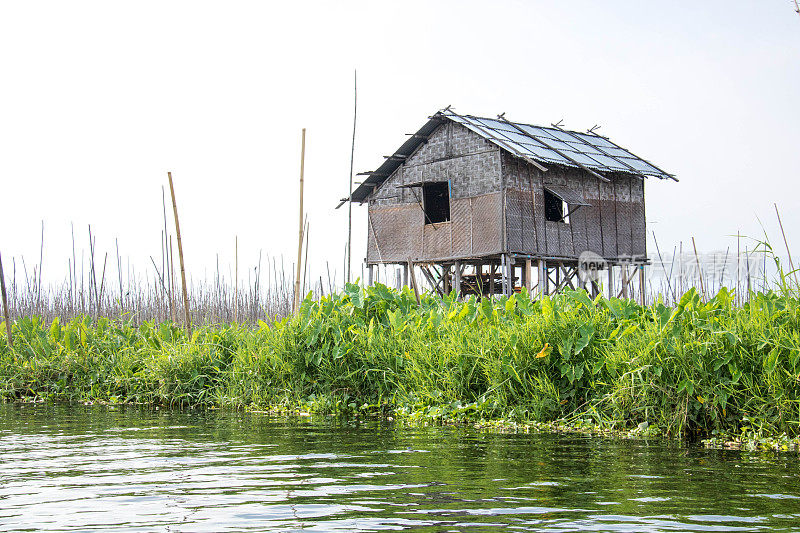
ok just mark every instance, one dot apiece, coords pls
pixel 99 100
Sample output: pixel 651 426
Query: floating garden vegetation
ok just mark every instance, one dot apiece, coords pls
pixel 700 368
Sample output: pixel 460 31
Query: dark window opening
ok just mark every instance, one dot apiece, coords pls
pixel 554 208
pixel 436 202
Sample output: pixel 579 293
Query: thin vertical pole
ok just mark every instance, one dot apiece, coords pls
pixel 305 260
pixel 699 269
pixel 610 281
pixel 5 304
pixel 541 274
pixel 785 243
pixel 642 285
pixel 173 310
pixel 527 276
pixel 296 304
pixel 457 278
pixel 413 280
pixel 624 277
pixel 236 280
pixel 350 188
pixel 180 257
pixel 503 262
pixel 738 269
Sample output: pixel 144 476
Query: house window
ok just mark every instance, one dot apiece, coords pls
pixel 436 202
pixel 555 209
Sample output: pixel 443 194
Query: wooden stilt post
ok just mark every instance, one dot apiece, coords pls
pixel 641 284
pixel 405 275
pixel 558 276
pixel 297 280
pixel 541 266
pixel 510 268
pixel 180 257
pixel 5 304
pixel 370 275
pixel 503 276
pixel 410 270
pixel 527 276
pixel 624 276
pixel 457 278
pixel 491 279
pixel 611 281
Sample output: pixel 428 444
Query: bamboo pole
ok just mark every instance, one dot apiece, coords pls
pixel 5 304
pixel 305 259
pixel 350 188
pixel 699 269
pixel 39 279
pixel 171 261
pixel 296 301
pixel 413 280
pixel 236 281
pixel 180 257
pixel 788 251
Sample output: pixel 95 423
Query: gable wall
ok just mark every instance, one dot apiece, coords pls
pixel 397 231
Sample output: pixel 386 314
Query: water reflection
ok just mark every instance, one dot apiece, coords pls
pixel 96 468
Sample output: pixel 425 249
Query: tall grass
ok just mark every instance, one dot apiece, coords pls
pixel 694 367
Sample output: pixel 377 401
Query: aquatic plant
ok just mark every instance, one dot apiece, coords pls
pixel 691 369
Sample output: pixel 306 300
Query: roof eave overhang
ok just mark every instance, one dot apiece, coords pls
pixel 375 178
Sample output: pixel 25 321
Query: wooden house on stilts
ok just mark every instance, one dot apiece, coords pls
pixel 487 206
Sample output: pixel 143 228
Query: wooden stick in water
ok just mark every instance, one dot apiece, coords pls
pixel 350 188
pixel 786 243
pixel 180 257
pixel 173 314
pixel 305 260
pixel 236 281
pixel 5 304
pixel 297 280
pixel 102 283
pixel 699 268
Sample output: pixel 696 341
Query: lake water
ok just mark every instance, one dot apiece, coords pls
pixel 129 469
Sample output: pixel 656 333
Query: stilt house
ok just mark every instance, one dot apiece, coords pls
pixel 487 205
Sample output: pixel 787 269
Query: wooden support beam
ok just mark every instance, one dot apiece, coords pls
pixel 544 286
pixel 642 282
pixel 457 278
pixel 624 277
pixel 410 270
pixel 370 275
pixel 526 276
pixel 611 281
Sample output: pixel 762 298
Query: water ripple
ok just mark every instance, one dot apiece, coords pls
pixel 78 469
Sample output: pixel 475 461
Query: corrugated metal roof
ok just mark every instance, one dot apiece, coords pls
pixel 541 146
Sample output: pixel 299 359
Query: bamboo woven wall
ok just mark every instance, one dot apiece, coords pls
pixel 613 226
